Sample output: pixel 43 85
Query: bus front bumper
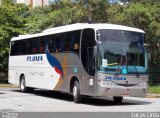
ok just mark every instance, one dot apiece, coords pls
pixel 134 91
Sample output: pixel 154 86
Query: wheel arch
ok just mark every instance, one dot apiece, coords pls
pixel 20 77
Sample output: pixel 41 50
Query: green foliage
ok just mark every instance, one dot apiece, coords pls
pixel 11 24
pixel 154 89
pixel 145 16
pixel 35 19
pixel 66 12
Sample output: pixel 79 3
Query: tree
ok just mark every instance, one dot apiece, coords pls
pixel 12 24
pixel 144 16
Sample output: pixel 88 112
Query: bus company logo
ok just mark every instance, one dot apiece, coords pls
pixel 34 58
pixel 115 78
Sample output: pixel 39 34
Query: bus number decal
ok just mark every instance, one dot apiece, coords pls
pixel 115 78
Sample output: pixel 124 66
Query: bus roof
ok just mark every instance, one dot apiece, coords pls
pixel 77 26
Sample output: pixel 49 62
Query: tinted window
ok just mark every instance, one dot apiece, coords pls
pixel 34 46
pixel 41 45
pixel 60 40
pixel 22 47
pixel 29 46
pixel 87 46
pixel 38 45
pixel 64 42
pixel 56 43
pixel 72 41
pixel 14 47
pixel 52 44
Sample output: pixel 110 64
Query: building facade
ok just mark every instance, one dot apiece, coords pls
pixel 35 3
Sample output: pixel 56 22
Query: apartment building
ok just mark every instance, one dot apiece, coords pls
pixel 35 3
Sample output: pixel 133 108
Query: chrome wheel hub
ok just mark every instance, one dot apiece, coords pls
pixel 22 84
pixel 74 91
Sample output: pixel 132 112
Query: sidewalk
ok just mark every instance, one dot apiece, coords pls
pixel 7 85
pixel 153 95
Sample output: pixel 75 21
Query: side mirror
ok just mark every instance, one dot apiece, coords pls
pixel 147 53
pixel 95 51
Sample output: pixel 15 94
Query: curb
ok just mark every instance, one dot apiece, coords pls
pixel 153 95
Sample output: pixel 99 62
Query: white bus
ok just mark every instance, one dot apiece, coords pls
pixel 82 59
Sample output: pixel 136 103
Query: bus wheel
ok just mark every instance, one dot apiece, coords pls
pixel 23 87
pixel 76 92
pixel 117 99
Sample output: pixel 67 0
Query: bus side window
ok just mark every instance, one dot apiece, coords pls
pixel 34 46
pixel 29 47
pixel 53 43
pixel 50 45
pixel 68 44
pixel 61 42
pixel 72 41
pixel 76 47
pixel 34 50
pixel 67 47
pixel 41 46
pixel 77 41
pixel 14 47
pixel 20 48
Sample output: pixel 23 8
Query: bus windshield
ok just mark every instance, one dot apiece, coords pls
pixel 121 52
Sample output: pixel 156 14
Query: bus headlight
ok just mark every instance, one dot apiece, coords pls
pixel 143 84
pixel 104 82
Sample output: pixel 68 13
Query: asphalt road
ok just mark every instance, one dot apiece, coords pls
pixel 46 101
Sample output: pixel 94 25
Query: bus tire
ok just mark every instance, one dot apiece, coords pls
pixel 23 87
pixel 117 99
pixel 30 89
pixel 76 92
